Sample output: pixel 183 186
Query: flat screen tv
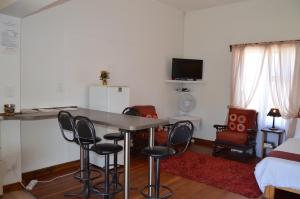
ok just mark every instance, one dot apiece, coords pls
pixel 187 69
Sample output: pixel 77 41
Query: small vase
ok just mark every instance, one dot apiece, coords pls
pixel 104 82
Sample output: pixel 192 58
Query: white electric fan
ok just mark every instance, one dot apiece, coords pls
pixel 186 103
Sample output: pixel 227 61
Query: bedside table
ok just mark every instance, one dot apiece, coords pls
pixel 267 144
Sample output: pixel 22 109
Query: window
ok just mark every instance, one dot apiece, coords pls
pixel 266 76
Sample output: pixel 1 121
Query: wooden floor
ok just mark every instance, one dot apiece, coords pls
pixel 183 188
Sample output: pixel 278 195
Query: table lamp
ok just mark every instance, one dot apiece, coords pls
pixel 274 112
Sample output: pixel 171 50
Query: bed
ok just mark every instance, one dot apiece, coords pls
pixel 281 169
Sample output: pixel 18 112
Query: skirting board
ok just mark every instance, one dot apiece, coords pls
pixel 203 142
pixel 39 174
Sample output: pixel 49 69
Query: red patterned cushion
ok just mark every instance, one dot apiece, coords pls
pixel 161 136
pixel 232 137
pixel 239 120
pixel 146 111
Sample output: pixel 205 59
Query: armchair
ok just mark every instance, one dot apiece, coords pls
pixel 140 139
pixel 239 133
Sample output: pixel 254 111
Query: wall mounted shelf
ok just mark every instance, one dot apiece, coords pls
pixel 185 81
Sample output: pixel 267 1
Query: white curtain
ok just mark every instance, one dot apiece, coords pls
pixel 247 70
pixel 265 76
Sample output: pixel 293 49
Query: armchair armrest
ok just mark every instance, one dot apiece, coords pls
pixel 251 135
pixel 252 131
pixel 220 128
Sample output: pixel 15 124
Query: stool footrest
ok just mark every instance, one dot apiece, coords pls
pixel 78 177
pixel 114 189
pixel 164 196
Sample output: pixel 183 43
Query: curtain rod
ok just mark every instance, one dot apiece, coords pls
pixel 268 42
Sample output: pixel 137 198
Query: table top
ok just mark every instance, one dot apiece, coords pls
pixel 126 122
pixel 270 130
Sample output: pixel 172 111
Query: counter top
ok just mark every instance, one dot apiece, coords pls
pixel 126 122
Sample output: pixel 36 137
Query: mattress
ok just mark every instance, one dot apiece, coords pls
pixel 279 172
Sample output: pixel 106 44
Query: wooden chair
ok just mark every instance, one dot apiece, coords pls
pixel 141 138
pixel 239 133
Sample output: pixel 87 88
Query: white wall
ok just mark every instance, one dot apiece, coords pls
pixel 10 148
pixel 65 48
pixel 9 64
pixel 208 34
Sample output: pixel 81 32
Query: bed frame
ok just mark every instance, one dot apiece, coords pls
pixel 270 191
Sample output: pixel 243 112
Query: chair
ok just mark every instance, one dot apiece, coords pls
pixel 118 137
pixel 140 138
pixel 239 133
pixel 178 141
pixel 66 124
pixel 85 132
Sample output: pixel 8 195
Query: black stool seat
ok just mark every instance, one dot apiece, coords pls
pixel 114 136
pixel 158 151
pixel 106 148
pixel 179 139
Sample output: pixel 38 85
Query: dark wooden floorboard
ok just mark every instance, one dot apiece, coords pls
pixel 183 188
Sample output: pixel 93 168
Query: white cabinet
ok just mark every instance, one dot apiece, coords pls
pixel 111 99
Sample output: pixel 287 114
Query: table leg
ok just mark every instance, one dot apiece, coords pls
pixel 263 141
pixel 280 137
pixel 150 172
pixel 127 165
pixel 81 163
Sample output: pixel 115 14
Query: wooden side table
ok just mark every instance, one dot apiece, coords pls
pixel 268 144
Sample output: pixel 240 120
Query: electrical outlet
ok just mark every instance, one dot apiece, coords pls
pixel 9 91
pixel 60 88
pixel 10 163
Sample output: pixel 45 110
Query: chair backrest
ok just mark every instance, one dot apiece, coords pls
pixel 66 125
pixel 240 120
pixel 130 111
pixel 146 111
pixel 85 130
pixel 180 136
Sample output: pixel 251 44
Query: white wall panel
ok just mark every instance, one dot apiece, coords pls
pixel 43 145
pixel 208 34
pixel 10 94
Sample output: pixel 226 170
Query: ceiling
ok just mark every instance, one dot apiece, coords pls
pixel 189 5
pixel 23 8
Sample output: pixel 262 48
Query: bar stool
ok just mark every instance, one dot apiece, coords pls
pixel 66 124
pixel 116 137
pixel 85 130
pixel 179 139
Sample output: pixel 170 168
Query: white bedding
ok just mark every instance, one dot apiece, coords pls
pixel 280 172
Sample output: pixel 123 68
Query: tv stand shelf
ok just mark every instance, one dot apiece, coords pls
pixel 185 81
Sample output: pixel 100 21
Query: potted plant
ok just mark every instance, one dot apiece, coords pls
pixel 104 76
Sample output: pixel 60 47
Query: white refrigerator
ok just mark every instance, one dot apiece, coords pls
pixel 111 99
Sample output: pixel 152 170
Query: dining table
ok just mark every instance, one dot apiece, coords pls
pixel 126 124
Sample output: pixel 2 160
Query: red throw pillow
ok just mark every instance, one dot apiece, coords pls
pixel 146 111
pixel 240 120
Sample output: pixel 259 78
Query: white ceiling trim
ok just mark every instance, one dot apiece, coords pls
pixel 23 8
pixel 190 5
pixel 6 3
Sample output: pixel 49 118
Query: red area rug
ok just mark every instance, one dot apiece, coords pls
pixel 225 174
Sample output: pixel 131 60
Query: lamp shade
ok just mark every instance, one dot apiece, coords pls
pixel 274 112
